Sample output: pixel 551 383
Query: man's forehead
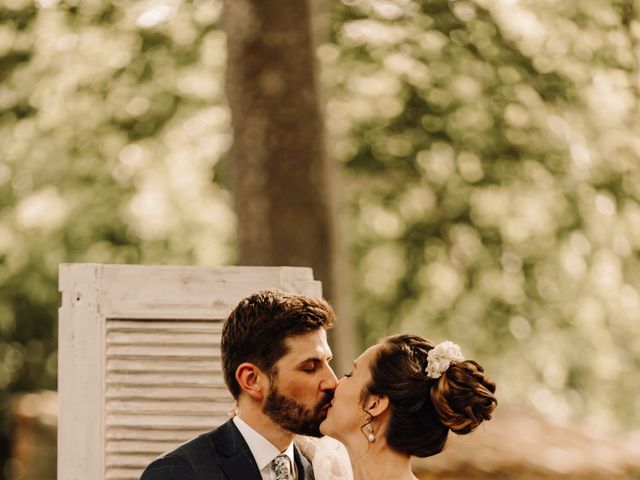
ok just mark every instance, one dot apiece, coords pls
pixel 307 345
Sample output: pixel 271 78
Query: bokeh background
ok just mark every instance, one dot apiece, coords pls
pixel 484 173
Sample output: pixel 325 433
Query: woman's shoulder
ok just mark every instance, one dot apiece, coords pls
pixel 329 458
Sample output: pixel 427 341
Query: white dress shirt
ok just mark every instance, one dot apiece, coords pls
pixel 263 450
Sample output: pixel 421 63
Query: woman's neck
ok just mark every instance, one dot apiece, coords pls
pixel 375 461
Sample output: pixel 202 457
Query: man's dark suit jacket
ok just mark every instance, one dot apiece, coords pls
pixel 221 454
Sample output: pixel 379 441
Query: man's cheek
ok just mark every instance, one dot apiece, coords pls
pixel 302 391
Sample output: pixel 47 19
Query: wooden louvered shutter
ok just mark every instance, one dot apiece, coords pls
pixel 139 359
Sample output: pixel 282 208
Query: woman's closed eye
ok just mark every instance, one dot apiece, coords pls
pixel 347 375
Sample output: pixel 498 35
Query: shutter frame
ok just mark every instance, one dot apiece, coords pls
pixel 135 344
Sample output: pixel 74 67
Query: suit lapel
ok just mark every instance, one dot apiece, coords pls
pixel 305 469
pixel 235 457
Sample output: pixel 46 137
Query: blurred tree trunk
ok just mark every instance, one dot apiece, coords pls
pixel 282 178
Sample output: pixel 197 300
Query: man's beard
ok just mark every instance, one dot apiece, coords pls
pixel 294 416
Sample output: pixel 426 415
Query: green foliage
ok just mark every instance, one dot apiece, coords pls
pixel 112 122
pixel 493 184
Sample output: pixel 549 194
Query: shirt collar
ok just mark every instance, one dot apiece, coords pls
pixel 262 449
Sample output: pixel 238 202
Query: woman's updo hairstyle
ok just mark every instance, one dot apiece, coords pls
pixel 424 409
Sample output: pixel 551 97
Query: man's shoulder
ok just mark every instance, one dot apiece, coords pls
pixel 184 462
pixel 169 467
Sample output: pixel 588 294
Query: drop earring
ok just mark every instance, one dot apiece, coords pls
pixel 370 436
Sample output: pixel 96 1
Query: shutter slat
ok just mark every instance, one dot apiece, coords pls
pixel 164 365
pixel 164 386
pixel 159 378
pixel 162 351
pixel 122 474
pixel 168 392
pixel 146 407
pixel 177 326
pixel 163 338
pixel 175 437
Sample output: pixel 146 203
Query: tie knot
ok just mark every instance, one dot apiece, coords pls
pixel 282 466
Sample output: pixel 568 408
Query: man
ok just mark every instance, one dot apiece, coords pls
pixel 275 359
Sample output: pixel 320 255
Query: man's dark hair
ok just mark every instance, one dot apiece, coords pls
pixel 257 329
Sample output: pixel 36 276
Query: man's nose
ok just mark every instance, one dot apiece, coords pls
pixel 330 382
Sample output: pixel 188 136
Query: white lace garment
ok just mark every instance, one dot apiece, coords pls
pixel 329 457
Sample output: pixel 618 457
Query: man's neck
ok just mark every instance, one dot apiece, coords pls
pixel 261 423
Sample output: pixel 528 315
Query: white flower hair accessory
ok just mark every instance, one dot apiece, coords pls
pixel 440 357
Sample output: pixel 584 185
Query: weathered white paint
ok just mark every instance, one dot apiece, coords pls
pixel 139 358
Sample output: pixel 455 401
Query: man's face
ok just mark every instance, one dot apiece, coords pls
pixel 302 385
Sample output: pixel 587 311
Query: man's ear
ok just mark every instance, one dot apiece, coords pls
pixel 252 380
pixel 376 405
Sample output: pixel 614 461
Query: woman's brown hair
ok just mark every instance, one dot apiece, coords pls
pixel 424 409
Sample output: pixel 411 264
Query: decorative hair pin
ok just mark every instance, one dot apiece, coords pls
pixel 440 357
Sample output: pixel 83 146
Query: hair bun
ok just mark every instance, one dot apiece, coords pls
pixel 464 397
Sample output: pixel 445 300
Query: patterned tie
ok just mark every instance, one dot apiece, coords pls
pixel 281 466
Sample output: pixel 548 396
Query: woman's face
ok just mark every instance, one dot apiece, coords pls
pixel 346 415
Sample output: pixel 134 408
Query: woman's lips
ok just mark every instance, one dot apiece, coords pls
pixel 325 409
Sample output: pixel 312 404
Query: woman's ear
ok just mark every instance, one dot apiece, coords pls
pixel 376 405
pixel 251 380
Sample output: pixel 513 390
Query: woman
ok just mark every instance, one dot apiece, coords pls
pixel 402 398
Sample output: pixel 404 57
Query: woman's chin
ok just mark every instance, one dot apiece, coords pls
pixel 325 428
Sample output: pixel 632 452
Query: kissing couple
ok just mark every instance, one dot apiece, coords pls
pixel 401 398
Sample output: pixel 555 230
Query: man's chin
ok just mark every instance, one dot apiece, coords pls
pixel 309 430
pixel 310 427
pixel 295 417
pixel 313 428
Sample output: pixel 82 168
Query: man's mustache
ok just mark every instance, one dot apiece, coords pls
pixel 324 401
